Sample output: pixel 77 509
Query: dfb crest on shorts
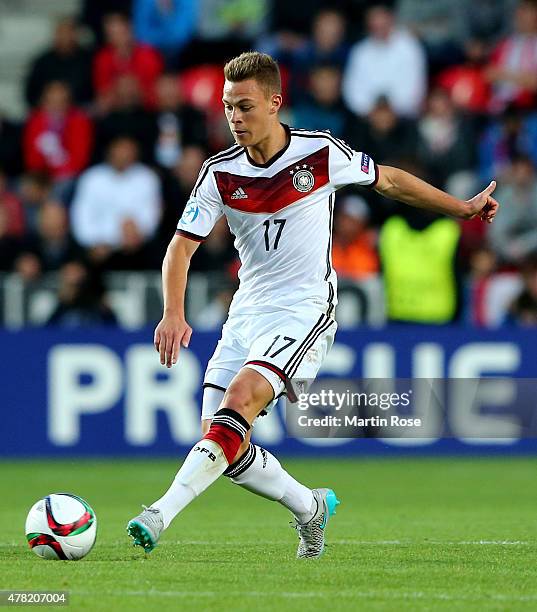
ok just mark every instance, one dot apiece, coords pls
pixel 303 179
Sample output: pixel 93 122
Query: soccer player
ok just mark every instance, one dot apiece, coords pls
pixel 276 187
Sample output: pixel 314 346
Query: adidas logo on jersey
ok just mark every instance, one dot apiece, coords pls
pixel 239 194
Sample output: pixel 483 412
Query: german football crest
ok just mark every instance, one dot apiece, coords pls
pixel 303 179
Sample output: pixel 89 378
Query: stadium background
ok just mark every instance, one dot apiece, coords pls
pixel 85 407
pixel 108 111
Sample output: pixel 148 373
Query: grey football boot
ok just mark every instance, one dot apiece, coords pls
pixel 146 528
pixel 311 534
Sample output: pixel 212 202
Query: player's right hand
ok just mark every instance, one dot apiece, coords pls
pixel 170 334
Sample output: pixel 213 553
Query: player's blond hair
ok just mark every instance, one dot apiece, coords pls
pixel 258 66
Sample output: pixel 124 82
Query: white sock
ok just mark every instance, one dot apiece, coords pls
pixel 260 472
pixel 202 466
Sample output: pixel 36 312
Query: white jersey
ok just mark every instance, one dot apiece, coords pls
pixel 280 214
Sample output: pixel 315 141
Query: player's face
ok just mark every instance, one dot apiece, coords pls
pixel 250 113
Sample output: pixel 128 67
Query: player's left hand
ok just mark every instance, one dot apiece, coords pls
pixel 483 205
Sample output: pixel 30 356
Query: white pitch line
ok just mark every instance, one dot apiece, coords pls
pixel 497 542
pixel 412 595
pixel 333 542
pixel 346 542
pixel 435 542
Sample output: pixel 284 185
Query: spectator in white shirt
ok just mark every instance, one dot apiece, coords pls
pixel 389 62
pixel 115 199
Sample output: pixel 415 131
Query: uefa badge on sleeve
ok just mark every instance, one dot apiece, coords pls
pixel 365 163
pixel 191 212
pixel 303 179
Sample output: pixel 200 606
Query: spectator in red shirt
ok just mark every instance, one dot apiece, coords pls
pixel 467 83
pixel 58 137
pixel 12 209
pixel 121 56
pixel 513 70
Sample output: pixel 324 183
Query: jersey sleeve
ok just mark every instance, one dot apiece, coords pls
pixel 203 209
pixel 349 167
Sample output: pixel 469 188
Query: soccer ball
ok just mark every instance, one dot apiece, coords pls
pixel 61 526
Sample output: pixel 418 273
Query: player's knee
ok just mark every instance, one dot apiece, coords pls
pixel 244 398
pixel 248 393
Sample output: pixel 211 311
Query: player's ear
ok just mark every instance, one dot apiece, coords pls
pixel 275 103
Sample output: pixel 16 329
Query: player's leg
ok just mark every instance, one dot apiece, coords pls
pixel 226 361
pixel 179 495
pixel 258 470
pixel 281 360
pixel 246 396
pixel 222 443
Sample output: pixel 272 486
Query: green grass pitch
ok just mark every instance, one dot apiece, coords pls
pixel 412 534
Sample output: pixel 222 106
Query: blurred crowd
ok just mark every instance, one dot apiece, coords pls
pixel 125 106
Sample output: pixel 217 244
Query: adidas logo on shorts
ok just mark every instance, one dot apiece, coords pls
pixel 239 194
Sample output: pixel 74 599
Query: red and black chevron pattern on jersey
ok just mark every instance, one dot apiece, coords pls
pixel 271 194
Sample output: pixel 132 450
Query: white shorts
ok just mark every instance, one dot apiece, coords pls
pixel 281 346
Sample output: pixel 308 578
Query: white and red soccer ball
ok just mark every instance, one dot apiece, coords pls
pixel 61 526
